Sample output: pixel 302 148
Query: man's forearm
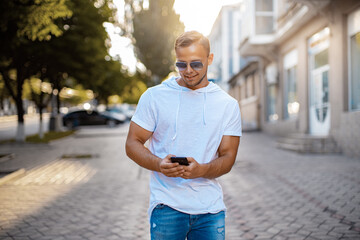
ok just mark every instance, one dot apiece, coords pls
pixel 141 155
pixel 227 154
pixel 217 167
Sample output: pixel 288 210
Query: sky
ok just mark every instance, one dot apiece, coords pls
pixel 198 15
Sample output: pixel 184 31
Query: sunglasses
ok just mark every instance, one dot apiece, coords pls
pixel 197 66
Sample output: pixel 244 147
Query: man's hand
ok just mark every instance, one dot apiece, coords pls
pixel 219 166
pixel 194 170
pixel 170 169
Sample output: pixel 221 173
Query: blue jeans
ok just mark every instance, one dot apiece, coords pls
pixel 169 224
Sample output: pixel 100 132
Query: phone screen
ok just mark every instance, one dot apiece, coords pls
pixel 180 160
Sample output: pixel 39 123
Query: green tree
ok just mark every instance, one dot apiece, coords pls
pixel 4 94
pixel 111 81
pixel 154 31
pixel 21 23
pixel 133 91
pixel 80 52
pixel 41 96
pixel 135 87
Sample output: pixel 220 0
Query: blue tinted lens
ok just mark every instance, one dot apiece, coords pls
pixel 196 65
pixel 181 66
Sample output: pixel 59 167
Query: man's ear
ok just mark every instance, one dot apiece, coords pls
pixel 210 58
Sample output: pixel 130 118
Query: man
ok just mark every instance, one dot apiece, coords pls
pixel 186 116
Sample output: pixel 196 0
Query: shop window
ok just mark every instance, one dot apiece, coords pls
pixel 291 104
pixel 354 60
pixel 291 99
pixel 355 72
pixel 271 103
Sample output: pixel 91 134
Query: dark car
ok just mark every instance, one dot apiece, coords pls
pixel 92 117
pixel 126 109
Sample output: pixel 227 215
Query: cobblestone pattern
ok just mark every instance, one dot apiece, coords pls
pixel 97 198
pixel 347 135
pixel 273 194
pixel 270 193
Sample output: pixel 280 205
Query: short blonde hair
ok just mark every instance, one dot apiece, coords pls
pixel 188 38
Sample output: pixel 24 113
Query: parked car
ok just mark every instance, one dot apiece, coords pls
pixel 92 117
pixel 126 109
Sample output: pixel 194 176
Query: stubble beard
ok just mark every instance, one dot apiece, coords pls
pixel 196 84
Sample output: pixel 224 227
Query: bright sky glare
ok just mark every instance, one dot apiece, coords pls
pixel 198 15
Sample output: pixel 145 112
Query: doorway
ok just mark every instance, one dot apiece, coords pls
pixel 319 105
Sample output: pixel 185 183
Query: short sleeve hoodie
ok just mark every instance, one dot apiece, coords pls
pixel 187 123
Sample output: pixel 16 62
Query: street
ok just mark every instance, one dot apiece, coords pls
pixel 85 187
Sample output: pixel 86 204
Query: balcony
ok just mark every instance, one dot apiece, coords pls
pixel 296 16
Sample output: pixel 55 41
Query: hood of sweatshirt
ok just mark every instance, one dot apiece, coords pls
pixel 172 83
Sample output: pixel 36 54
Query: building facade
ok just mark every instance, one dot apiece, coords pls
pixel 303 80
pixel 224 38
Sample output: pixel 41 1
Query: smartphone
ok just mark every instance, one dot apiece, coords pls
pixel 180 160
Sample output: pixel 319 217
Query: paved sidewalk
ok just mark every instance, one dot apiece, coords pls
pixel 64 197
pixel 277 194
pixel 84 187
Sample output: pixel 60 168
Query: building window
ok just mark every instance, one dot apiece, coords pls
pixel 291 100
pixel 249 85
pixel 355 72
pixel 354 60
pixel 272 91
pixel 271 106
pixel 291 104
pixel 243 91
pixel 264 16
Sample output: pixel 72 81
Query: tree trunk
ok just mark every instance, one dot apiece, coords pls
pixel 2 94
pixel 41 127
pixel 20 134
pixel 40 105
pixel 58 100
pixel 58 118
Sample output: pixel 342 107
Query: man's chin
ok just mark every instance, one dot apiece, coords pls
pixel 190 82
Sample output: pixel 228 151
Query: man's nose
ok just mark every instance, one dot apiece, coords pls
pixel 189 68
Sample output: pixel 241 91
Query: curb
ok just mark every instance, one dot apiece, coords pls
pixel 19 173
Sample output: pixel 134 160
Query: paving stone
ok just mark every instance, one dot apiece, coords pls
pixel 270 193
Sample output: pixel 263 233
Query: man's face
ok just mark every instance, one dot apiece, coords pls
pixel 193 79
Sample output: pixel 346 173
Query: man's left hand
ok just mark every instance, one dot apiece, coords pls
pixel 194 170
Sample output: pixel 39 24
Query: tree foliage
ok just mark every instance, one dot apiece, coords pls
pixel 39 21
pixel 81 51
pixel 154 31
pixel 55 40
pixel 21 23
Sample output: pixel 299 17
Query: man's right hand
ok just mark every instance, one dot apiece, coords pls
pixel 170 169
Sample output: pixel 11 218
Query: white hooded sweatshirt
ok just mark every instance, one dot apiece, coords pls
pixel 187 123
